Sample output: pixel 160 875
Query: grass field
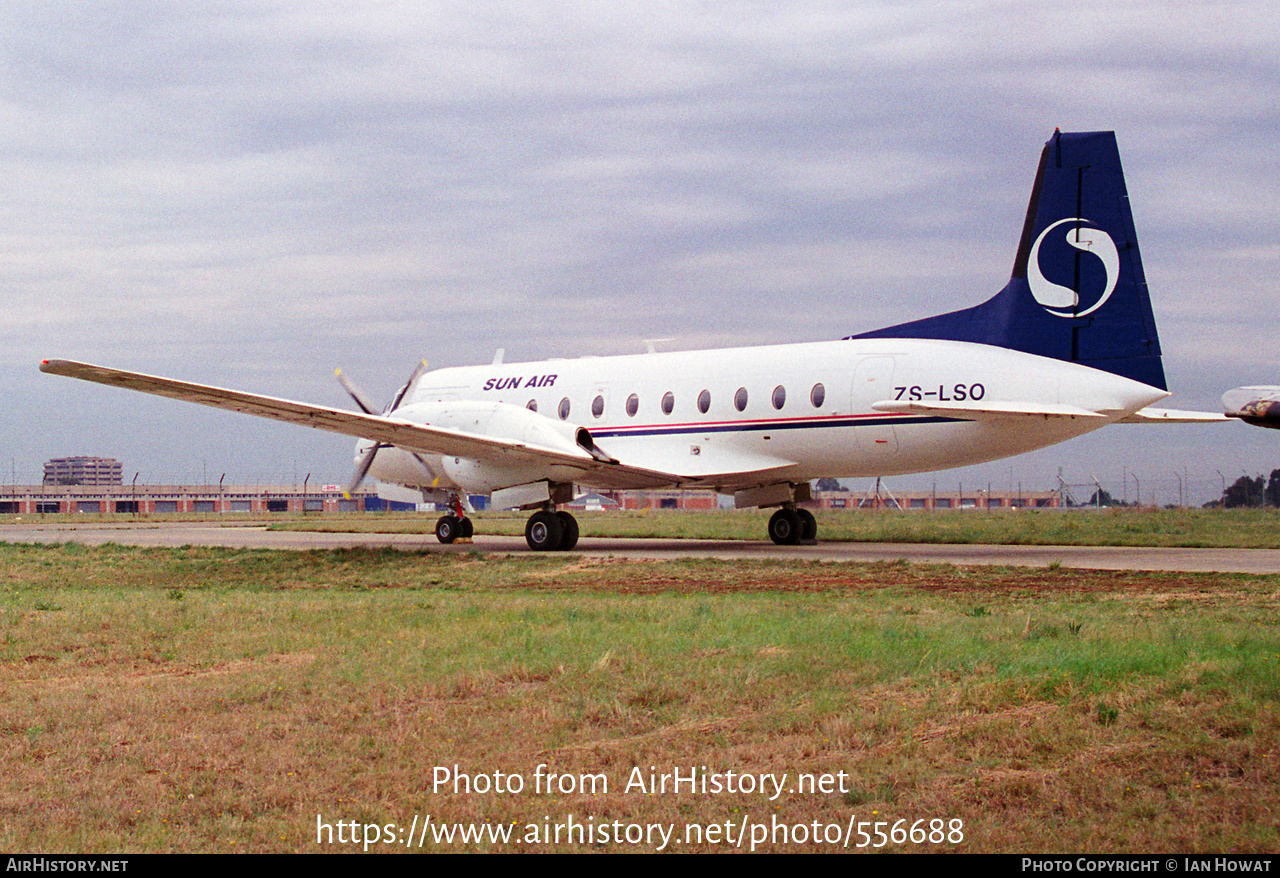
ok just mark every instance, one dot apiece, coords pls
pixel 1205 528
pixel 229 700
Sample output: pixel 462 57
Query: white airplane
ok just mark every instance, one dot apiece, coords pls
pixel 1068 346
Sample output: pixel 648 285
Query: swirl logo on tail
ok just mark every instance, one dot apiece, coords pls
pixel 1062 301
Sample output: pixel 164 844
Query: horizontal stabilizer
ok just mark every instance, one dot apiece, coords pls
pixel 989 410
pixel 1171 416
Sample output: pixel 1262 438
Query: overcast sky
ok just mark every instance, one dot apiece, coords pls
pixel 251 194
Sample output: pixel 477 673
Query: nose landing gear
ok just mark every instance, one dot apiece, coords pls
pixel 455 525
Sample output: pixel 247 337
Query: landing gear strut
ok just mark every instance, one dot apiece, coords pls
pixel 551 531
pixel 455 525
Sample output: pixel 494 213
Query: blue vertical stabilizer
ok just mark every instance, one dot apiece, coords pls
pixel 1077 292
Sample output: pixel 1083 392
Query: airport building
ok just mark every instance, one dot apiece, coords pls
pixel 272 499
pixel 936 499
pixel 83 471
pixel 185 499
pixel 884 499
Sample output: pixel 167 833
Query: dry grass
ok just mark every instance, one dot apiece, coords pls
pixel 218 700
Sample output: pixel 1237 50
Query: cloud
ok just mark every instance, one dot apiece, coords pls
pixel 241 185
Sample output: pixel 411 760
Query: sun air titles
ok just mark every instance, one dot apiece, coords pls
pixel 513 382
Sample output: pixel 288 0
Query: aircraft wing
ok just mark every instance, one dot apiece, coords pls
pixel 700 465
pixel 422 438
pixel 394 431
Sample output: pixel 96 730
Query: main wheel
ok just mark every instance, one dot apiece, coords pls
pixel 468 530
pixel 784 527
pixel 808 525
pixel 543 531
pixel 568 531
pixel 448 529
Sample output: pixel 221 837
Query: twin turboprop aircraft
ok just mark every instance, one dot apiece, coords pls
pixel 1068 346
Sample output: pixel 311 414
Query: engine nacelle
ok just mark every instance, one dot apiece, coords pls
pixel 499 420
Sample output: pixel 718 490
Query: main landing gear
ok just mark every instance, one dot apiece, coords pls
pixel 546 530
pixel 551 531
pixel 790 526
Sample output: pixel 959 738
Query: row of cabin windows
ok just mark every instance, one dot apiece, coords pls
pixel 817 396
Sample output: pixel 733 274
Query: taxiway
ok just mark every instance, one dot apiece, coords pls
pixel 257 536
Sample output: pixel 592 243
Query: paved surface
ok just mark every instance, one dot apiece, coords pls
pixel 257 536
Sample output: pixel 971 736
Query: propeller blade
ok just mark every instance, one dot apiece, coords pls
pixel 366 460
pixel 435 479
pixel 417 373
pixel 362 469
pixel 356 393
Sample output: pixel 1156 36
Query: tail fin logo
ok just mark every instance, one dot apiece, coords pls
pixel 1063 301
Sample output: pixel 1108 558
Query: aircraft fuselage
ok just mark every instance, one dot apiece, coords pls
pixel 804 407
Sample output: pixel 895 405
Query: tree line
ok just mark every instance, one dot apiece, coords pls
pixel 1246 491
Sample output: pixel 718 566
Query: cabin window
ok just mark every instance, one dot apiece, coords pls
pixel 740 399
pixel 779 397
pixel 633 405
pixel 818 395
pixel 668 402
pixel 564 409
pixel 532 405
pixel 597 406
pixel 704 401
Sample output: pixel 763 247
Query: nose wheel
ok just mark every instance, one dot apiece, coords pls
pixel 455 525
pixel 451 527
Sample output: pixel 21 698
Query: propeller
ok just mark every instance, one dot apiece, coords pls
pixel 367 406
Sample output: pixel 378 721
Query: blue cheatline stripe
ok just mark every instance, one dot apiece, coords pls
pixel 761 426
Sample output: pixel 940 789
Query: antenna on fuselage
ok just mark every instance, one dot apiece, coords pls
pixel 650 342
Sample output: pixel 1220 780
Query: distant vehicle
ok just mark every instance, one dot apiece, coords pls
pixel 1068 346
pixel 1259 406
